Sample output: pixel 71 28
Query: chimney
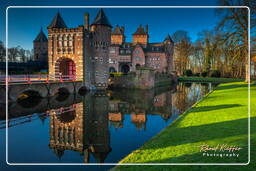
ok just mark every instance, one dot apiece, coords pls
pixel 86 21
pixel 147 28
pixel 122 28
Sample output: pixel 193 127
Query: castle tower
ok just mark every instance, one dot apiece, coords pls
pixel 100 31
pixel 169 49
pixel 96 128
pixel 65 49
pixel 141 35
pixel 66 129
pixel 117 36
pixel 41 47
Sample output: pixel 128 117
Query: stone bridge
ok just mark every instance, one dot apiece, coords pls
pixel 15 91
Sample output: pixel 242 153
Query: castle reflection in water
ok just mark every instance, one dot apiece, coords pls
pixel 82 123
pixel 84 126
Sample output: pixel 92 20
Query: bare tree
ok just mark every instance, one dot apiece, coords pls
pixel 12 54
pixel 235 26
pixel 22 54
pixel 198 56
pixel 182 50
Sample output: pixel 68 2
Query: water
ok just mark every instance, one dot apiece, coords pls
pixel 95 127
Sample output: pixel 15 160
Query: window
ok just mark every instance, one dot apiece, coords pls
pixel 137 51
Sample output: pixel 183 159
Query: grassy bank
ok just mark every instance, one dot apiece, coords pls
pixel 210 79
pixel 220 118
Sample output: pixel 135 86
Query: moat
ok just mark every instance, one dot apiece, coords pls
pixel 99 127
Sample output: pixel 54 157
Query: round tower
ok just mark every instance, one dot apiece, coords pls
pixel 100 42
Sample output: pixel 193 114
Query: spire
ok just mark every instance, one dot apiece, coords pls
pixel 57 22
pixel 101 19
pixel 168 38
pixel 41 36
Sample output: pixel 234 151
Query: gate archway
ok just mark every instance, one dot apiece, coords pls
pixel 65 67
pixel 125 68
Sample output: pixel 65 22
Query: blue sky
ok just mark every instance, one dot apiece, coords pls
pixel 24 23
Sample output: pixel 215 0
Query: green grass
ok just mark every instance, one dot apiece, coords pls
pixel 210 79
pixel 220 118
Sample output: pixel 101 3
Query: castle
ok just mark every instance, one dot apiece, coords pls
pixel 93 50
pixel 127 56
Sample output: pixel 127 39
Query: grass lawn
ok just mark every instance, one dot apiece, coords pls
pixel 220 118
pixel 210 79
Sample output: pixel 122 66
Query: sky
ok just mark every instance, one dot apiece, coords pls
pixel 24 23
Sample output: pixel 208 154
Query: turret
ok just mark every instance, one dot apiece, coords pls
pixel 41 47
pixel 141 35
pixel 117 36
pixel 169 49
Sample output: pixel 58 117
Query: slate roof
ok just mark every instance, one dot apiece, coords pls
pixel 168 38
pixel 57 22
pixel 101 19
pixel 118 30
pixel 155 47
pixel 140 30
pixel 41 37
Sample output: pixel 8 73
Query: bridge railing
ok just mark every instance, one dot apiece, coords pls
pixel 40 78
pixel 29 118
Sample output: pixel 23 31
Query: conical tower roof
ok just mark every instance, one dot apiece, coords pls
pixel 101 19
pixel 168 38
pixel 41 37
pixel 57 22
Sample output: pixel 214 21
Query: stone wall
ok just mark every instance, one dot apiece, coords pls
pixel 143 78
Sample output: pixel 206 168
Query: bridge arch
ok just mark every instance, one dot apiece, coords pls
pixel 65 88
pixel 28 93
pixel 16 92
pixel 82 90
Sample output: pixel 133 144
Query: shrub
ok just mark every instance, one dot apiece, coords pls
pixel 204 74
pixel 188 72
pixel 215 73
